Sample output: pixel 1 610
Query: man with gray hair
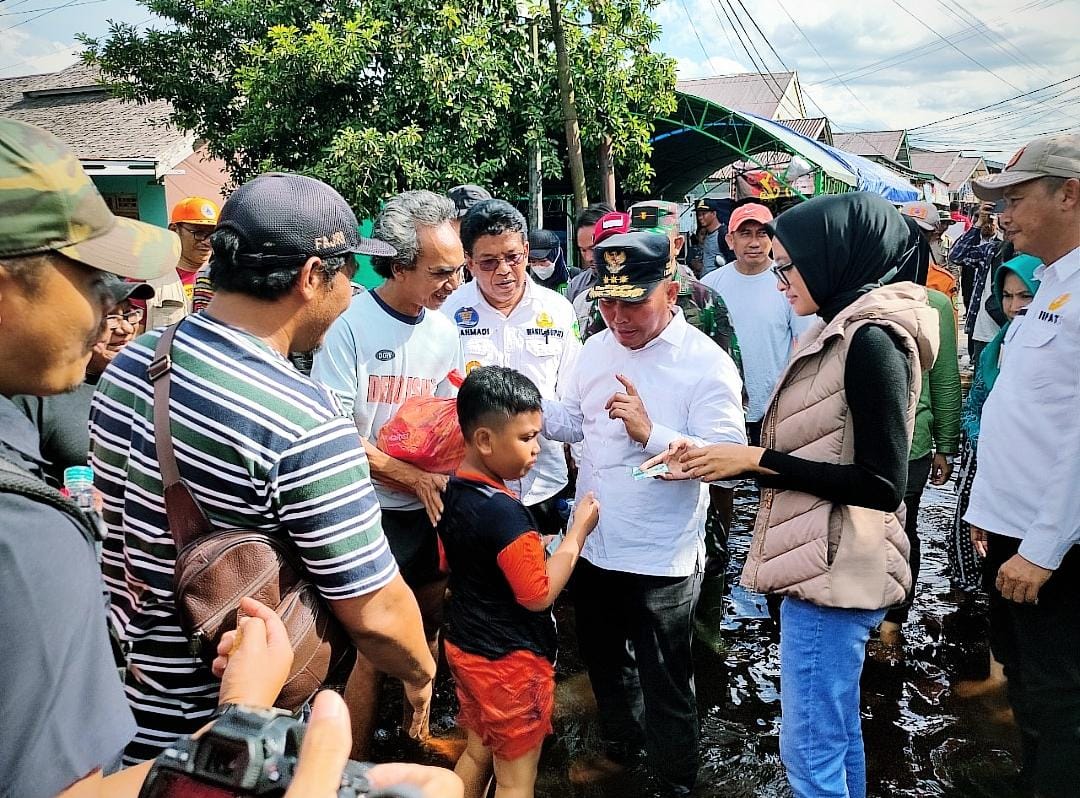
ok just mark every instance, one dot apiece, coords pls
pixel 392 344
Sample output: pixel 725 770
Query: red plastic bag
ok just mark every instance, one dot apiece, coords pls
pixel 424 432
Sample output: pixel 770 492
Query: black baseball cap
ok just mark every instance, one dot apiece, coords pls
pixel 281 217
pixel 543 245
pixel 464 197
pixel 121 290
pixel 630 265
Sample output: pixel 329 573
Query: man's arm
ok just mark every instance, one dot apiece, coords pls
pixel 562 417
pixel 336 365
pixel 402 476
pixel 945 393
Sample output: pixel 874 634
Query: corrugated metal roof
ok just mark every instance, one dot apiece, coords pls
pixel 94 124
pixel 951 166
pixel 871 142
pixel 751 92
pixel 816 128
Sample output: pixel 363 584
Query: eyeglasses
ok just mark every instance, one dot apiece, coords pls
pixel 491 264
pixel 132 317
pixel 200 233
pixel 780 270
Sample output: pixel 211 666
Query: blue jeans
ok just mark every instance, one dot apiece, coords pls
pixel 821 659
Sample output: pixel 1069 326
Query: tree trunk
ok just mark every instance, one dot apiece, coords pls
pixel 569 109
pixel 607 171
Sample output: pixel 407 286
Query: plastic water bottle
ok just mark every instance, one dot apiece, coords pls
pixel 79 485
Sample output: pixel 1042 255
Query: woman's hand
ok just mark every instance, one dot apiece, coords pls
pixel 675 450
pixel 720 461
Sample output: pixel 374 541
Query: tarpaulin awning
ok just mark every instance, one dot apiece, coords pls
pixel 878 178
pixel 700 138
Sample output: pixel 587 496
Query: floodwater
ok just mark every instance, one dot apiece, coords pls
pixel 924 736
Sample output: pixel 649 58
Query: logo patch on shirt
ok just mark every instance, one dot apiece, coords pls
pixel 1059 302
pixel 472 364
pixel 544 320
pixel 467 317
pixel 384 355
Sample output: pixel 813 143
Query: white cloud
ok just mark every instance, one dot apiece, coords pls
pixel 26 54
pixel 1026 43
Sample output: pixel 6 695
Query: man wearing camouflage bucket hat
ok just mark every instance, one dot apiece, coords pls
pixel 57 241
pixel 641 570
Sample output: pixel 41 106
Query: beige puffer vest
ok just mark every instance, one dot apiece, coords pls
pixel 805 546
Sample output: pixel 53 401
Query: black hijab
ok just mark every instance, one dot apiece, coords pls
pixel 844 245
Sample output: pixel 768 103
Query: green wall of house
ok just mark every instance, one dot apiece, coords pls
pixel 148 193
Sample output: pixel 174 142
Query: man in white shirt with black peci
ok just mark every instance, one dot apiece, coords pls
pixel 646 380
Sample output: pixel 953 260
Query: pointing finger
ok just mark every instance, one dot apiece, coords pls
pixel 630 389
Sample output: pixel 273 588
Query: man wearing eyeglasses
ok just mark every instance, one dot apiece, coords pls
pixel 505 318
pixel 61 419
pixel 193 220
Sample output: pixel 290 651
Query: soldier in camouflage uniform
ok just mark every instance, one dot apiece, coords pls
pixel 705 310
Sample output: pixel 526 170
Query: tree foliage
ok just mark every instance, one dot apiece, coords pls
pixel 378 96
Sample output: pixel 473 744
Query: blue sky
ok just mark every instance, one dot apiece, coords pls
pixel 869 64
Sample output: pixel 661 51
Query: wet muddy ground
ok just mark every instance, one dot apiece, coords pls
pixel 923 736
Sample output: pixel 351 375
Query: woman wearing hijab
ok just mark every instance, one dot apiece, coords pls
pixel 829 535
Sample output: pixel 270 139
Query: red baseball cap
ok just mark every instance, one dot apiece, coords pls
pixel 750 211
pixel 613 223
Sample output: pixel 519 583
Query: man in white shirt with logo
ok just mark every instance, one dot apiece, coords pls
pixel 1025 502
pixel 765 324
pixel 392 344
pixel 646 380
pixel 504 318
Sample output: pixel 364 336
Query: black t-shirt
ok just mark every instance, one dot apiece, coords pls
pixel 63 713
pixel 63 423
pixel 483 617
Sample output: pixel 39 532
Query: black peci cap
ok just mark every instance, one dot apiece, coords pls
pixel 281 217
pixel 464 197
pixel 630 265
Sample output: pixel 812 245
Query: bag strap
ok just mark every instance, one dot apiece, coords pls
pixel 16 479
pixel 187 520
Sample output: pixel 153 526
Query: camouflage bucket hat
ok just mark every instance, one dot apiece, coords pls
pixel 48 203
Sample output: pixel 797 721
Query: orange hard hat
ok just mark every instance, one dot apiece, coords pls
pixel 194 210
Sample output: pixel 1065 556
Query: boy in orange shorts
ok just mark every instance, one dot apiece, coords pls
pixel 500 633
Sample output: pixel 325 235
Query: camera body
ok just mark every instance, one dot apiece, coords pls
pixel 246 752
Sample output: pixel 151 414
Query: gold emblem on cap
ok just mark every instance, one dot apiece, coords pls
pixel 615 260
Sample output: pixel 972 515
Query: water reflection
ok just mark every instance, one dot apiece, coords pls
pixel 922 739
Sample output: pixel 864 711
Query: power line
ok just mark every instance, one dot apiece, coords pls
pixel 746 43
pixel 1008 119
pixel 693 27
pixel 50 8
pixel 927 48
pixel 954 10
pixel 991 34
pixel 992 105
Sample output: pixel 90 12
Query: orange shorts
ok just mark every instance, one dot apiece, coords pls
pixel 507 702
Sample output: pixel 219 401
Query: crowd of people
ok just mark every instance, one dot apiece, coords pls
pixel 605 413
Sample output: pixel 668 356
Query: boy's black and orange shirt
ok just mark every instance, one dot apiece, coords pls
pixel 496 560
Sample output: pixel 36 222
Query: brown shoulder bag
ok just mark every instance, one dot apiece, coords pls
pixel 216 568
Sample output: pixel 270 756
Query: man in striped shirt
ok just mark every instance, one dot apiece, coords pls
pixel 260 445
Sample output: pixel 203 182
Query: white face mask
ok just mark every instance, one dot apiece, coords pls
pixel 543 272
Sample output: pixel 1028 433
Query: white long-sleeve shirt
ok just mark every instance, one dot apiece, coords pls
pixel 691 389
pixel 539 338
pixel 1029 443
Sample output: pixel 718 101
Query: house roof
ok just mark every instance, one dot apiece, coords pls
pixel 951 166
pixel 816 128
pixel 872 142
pixel 75 108
pixel 750 91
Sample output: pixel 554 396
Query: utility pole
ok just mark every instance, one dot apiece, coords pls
pixel 607 170
pixel 569 109
pixel 536 175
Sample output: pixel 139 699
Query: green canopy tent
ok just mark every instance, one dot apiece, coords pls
pixel 700 138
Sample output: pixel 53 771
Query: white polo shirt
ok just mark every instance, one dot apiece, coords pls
pixel 540 339
pixel 1029 445
pixel 691 389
